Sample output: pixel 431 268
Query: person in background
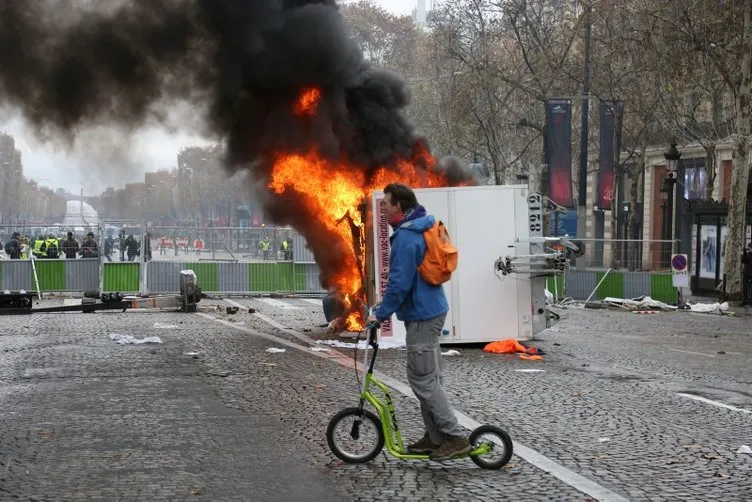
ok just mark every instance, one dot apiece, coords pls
pixel 90 248
pixel 13 246
pixel 747 275
pixel 109 246
pixel 70 247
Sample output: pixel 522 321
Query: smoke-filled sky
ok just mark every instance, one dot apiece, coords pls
pixel 123 157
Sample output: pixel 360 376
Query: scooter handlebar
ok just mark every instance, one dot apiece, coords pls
pixel 371 330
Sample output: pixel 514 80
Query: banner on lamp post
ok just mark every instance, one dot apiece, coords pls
pixel 558 151
pixel 610 119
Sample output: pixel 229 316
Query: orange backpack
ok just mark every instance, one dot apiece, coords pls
pixel 441 256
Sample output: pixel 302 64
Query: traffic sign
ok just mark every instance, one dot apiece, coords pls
pixel 679 262
pixel 679 271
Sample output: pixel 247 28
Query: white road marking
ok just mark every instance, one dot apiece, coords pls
pixel 314 301
pixel 279 304
pixel 690 352
pixel 714 403
pixel 533 457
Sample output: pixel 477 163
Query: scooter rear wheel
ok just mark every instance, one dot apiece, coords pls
pixel 502 441
pixel 356 423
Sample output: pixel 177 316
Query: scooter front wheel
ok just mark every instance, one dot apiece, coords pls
pixel 355 436
pixel 498 440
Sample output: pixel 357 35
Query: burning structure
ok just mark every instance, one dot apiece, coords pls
pixel 279 82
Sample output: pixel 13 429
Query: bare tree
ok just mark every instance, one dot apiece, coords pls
pixel 725 40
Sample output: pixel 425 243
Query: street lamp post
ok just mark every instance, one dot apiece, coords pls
pixel 672 157
pixel 664 224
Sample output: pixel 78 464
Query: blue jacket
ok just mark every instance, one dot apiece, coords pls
pixel 406 292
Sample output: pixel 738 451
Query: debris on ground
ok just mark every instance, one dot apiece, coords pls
pixel 512 346
pixel 451 353
pixel 384 344
pixel 744 449
pixel 709 308
pixel 132 340
pixel 162 325
pixel 275 350
pixel 643 303
pixel 232 310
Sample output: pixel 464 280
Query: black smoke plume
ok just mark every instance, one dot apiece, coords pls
pixel 241 63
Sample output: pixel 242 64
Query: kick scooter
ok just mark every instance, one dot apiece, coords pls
pixel 492 446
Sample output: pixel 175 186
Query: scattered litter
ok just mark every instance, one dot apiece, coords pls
pixel 645 311
pixel 710 456
pixel 604 440
pixel 549 297
pixel 232 310
pixel 709 308
pixel 451 353
pixel 275 350
pixel 744 449
pixel 320 349
pixel 384 344
pixel 251 310
pixel 129 339
pixel 162 325
pixel 643 303
pixel 191 353
pixel 530 370
pixel 512 346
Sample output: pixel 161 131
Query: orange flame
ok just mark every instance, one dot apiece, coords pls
pixel 307 102
pixel 332 191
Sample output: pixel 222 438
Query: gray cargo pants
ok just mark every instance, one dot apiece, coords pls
pixel 424 367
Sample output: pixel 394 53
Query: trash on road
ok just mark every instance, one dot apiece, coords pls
pixel 744 449
pixel 384 344
pixel 512 346
pixel 451 353
pixel 191 353
pixel 162 325
pixel 132 340
pixel 644 303
pixel 275 350
pixel 709 308
pixel 320 349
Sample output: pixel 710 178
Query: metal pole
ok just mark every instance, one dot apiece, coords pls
pixel 671 217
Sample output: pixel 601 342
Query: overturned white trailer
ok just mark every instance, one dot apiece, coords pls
pixel 498 289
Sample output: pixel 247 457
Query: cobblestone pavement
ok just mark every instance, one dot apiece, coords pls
pixel 208 414
pixel 652 407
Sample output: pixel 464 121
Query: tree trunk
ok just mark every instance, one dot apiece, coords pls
pixel 740 169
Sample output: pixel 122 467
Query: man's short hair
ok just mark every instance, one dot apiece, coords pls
pixel 70 234
pixel 402 194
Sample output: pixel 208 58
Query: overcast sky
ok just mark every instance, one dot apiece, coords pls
pixel 149 150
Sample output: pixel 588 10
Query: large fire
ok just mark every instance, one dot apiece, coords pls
pixel 332 192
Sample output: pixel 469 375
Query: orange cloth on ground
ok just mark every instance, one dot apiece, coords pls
pixel 512 346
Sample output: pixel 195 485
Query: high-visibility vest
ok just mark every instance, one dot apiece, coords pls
pixel 50 242
pixel 37 249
